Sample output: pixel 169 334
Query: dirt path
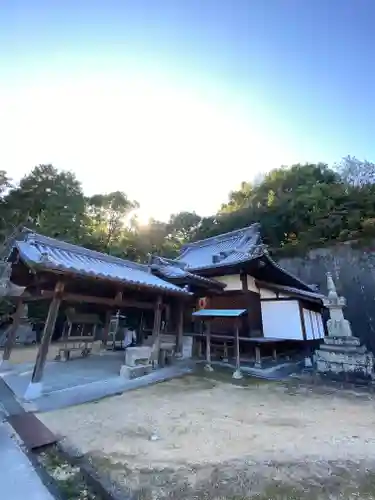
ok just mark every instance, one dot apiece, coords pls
pixel 244 439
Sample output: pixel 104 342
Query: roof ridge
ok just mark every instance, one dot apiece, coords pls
pixel 63 245
pixel 220 237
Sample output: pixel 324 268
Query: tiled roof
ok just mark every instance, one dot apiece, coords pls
pixel 53 254
pixel 173 270
pixel 226 249
pixel 316 296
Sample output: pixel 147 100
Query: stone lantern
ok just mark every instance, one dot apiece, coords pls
pixel 342 356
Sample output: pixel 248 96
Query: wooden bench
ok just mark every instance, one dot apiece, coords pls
pixel 75 344
pixel 221 347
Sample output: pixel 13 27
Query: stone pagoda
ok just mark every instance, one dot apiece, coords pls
pixel 342 356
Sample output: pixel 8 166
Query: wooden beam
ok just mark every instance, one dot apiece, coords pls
pixel 89 299
pixel 245 290
pixel 47 334
pixel 245 286
pixel 11 338
pixel 303 326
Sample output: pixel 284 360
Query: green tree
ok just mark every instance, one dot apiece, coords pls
pixel 183 226
pixel 109 215
pixel 51 202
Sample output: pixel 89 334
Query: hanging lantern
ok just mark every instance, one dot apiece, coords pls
pixel 202 303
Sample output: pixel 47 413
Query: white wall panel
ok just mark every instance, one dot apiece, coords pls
pixel 251 284
pixel 267 294
pixel 310 331
pixel 233 281
pixel 281 319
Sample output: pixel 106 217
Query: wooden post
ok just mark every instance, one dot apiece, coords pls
pixel 156 328
pixel 258 357
pixel 35 388
pixel 208 366
pixel 167 325
pixel 237 373
pixel 107 323
pixel 11 338
pixel 274 354
pixel 180 329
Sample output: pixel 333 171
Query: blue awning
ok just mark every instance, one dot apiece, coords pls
pixel 219 313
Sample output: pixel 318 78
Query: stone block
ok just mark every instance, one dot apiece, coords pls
pixel 138 355
pixel 130 372
pixel 349 341
pixel 344 349
pixel 350 362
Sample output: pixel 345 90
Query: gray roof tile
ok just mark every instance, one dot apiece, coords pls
pixel 58 255
pixel 226 249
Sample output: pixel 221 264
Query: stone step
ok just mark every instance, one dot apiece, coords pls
pixel 350 341
pixel 348 349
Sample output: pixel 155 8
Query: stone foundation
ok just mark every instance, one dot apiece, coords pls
pixel 344 358
pixel 131 372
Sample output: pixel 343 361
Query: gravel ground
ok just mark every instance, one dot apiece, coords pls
pixel 197 437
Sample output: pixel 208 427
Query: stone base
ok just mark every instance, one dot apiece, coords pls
pixel 33 391
pixel 5 365
pixel 208 367
pixel 237 375
pixel 343 358
pixel 130 372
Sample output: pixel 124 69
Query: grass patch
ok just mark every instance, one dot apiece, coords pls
pixel 67 477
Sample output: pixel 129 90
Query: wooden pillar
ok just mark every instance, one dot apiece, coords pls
pixel 237 373
pixel 180 329
pixel 107 323
pixel 258 357
pixel 274 354
pixel 35 389
pixel 156 328
pixel 167 325
pixel 11 338
pixel 208 366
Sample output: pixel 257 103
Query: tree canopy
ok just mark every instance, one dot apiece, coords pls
pixel 298 207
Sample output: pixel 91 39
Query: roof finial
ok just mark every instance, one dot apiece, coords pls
pixel 332 293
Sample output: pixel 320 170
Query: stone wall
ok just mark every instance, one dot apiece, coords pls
pixel 353 270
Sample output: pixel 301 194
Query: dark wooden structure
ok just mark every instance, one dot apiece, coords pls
pixel 66 276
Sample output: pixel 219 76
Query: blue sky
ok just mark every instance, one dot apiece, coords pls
pixel 178 101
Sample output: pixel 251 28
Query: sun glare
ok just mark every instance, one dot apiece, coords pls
pixel 168 148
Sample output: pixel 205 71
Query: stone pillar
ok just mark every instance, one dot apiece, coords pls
pixel 342 356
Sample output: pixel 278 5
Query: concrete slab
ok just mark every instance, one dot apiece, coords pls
pixel 18 479
pixel 101 389
pixel 83 380
pixel 59 375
